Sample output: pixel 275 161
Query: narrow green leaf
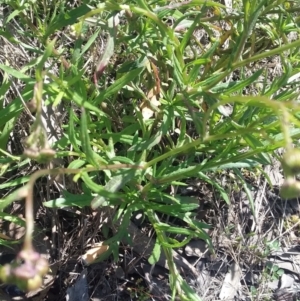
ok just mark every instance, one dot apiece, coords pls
pixel 117 85
pixel 86 144
pixel 155 255
pixel 178 72
pixel 173 243
pixel 13 109
pixel 43 59
pixel 90 183
pixel 198 62
pixel 241 85
pixel 195 72
pixel 88 44
pixel 15 13
pixel 231 87
pixel 210 52
pixel 203 2
pixel 147 144
pixel 17 194
pixel 281 81
pixel 17 74
pixel 3 89
pixel 13 219
pixel 141 62
pixel 216 185
pixel 14 182
pixel 123 160
pixel 7 130
pixel 8 243
pixel 188 34
pixel 113 185
pixel 199 230
pixel 255 143
pixel 76 164
pixel 190 294
pixel 71 130
pixel 248 163
pixel 70 200
pixel 247 190
pixel 173 209
pixel 109 47
pixel 91 156
pixel 99 189
pixel 120 137
pixel 177 230
pixel 7 35
pixel 67 18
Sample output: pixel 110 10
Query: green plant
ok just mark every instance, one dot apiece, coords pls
pixel 273 271
pixel 161 107
pixel 271 246
pixel 139 293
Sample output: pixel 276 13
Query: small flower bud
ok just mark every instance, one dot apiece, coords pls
pixel 34 283
pixel 42 266
pixel 291 162
pixel 30 284
pixel 46 155
pixel 32 105
pixel 290 189
pixel 5 273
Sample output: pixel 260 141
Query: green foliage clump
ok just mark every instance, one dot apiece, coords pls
pixel 180 91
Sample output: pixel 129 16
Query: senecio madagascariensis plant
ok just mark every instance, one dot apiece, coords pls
pixel 27 271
